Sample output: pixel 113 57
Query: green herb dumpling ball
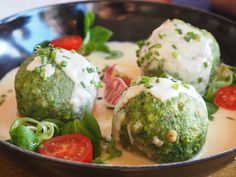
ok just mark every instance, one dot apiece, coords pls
pixel 161 118
pixel 56 83
pixel 181 50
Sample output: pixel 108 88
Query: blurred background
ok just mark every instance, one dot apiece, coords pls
pixel 225 8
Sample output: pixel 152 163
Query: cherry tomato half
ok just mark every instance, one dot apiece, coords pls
pixel 75 147
pixel 68 42
pixel 225 97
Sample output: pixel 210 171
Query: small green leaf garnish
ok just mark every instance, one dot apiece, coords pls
pixel 29 133
pixel 96 38
pixel 211 108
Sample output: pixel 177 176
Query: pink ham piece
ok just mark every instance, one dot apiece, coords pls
pixel 115 85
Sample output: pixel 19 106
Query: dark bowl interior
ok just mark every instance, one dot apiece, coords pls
pixel 130 21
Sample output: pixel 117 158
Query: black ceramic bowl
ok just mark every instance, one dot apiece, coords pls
pixel 130 21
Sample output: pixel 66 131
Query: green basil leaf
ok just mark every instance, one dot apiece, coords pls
pixel 89 48
pixel 88 21
pixel 92 125
pixel 23 137
pixel 100 34
pixel 103 48
pixel 87 126
pixel 211 108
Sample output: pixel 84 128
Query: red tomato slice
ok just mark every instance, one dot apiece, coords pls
pixel 113 91
pixel 75 147
pixel 68 42
pixel 225 97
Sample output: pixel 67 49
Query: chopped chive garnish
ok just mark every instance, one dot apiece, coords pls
pixel 191 35
pixel 199 80
pixel 205 64
pixel 82 83
pixel 175 86
pixel 179 30
pixel 63 63
pixel 161 36
pixel 90 70
pixel 185 84
pixel 66 57
pixel 174 46
pixel 140 43
pixel 174 54
pixel 157 80
pixel 158 45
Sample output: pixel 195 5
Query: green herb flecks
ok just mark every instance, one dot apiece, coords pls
pixel 191 36
pixel 205 64
pixel 174 46
pixel 200 79
pixel 140 43
pixel 178 30
pixel 161 35
pixel 175 86
pixel 174 54
pixel 82 84
pixel 185 84
pixel 145 80
pixel 157 45
pixel 63 64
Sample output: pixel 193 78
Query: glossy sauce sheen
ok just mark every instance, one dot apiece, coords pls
pixel 221 133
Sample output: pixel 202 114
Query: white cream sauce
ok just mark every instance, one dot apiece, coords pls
pixel 190 56
pixel 84 92
pixel 221 134
pixel 160 89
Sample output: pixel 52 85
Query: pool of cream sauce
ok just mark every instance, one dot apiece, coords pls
pixel 221 133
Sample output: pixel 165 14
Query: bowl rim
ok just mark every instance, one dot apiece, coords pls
pixel 107 166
